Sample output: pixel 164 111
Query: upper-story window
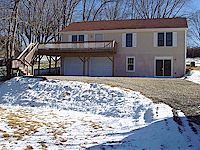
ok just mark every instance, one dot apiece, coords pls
pixel 74 38
pixel 166 39
pixel 77 38
pixel 129 40
pixel 169 38
pixel 161 39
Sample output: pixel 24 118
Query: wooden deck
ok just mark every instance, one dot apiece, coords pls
pixel 78 49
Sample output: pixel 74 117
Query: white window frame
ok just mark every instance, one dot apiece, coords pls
pixel 164 58
pixel 127 57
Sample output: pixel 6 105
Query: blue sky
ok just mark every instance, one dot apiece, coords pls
pixel 195 4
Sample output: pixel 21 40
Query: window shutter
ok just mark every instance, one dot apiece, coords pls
pixel 174 39
pixel 134 40
pixel 155 39
pixel 124 40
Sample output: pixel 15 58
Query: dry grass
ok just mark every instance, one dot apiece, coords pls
pixel 193 68
pixel 29 147
pixel 22 125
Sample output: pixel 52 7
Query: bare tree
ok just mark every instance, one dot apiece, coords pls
pixel 116 9
pixel 158 8
pixel 194 29
pixel 91 9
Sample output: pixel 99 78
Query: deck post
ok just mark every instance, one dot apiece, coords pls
pixel 32 67
pixel 84 66
pixel 49 64
pixel 113 65
pixel 56 64
pixel 39 65
pixel 88 65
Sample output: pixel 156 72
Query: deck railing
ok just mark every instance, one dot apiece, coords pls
pixel 86 45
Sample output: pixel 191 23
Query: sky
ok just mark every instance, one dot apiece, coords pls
pixel 195 4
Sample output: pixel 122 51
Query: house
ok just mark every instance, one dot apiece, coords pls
pixel 133 48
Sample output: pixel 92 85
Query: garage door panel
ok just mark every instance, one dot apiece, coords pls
pixel 100 66
pixel 73 66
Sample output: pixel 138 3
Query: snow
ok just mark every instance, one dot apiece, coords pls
pixel 194 76
pixel 196 60
pixel 56 114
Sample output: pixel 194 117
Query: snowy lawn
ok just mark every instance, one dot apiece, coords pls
pixel 193 76
pixel 196 60
pixel 52 114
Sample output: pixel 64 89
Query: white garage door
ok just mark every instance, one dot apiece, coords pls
pixel 73 66
pixel 100 66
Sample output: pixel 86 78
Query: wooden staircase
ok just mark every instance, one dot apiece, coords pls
pixel 23 65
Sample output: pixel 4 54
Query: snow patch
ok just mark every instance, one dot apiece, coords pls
pixel 51 114
pixel 193 76
pixel 196 60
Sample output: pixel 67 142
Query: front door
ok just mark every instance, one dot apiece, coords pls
pixel 163 67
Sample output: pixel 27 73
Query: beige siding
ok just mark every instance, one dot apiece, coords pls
pixel 144 52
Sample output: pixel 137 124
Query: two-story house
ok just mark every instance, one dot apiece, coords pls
pixel 143 47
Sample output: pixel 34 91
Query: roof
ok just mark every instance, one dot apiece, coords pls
pixel 127 24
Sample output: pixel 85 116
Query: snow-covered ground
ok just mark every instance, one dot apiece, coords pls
pixel 194 76
pixel 196 60
pixel 53 114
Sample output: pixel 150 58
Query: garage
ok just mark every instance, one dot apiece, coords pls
pixel 73 66
pixel 100 66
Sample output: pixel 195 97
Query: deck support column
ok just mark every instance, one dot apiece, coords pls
pixel 84 65
pixel 88 65
pixel 49 64
pixel 56 64
pixel 39 58
pixel 32 67
pixel 113 65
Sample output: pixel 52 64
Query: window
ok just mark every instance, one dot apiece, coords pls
pixel 129 39
pixel 161 39
pixel 74 38
pixel 130 64
pixel 169 38
pixel 165 39
pixel 77 38
pixel 81 38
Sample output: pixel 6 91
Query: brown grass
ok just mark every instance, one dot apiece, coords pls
pixel 29 147
pixel 193 68
pixel 21 125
